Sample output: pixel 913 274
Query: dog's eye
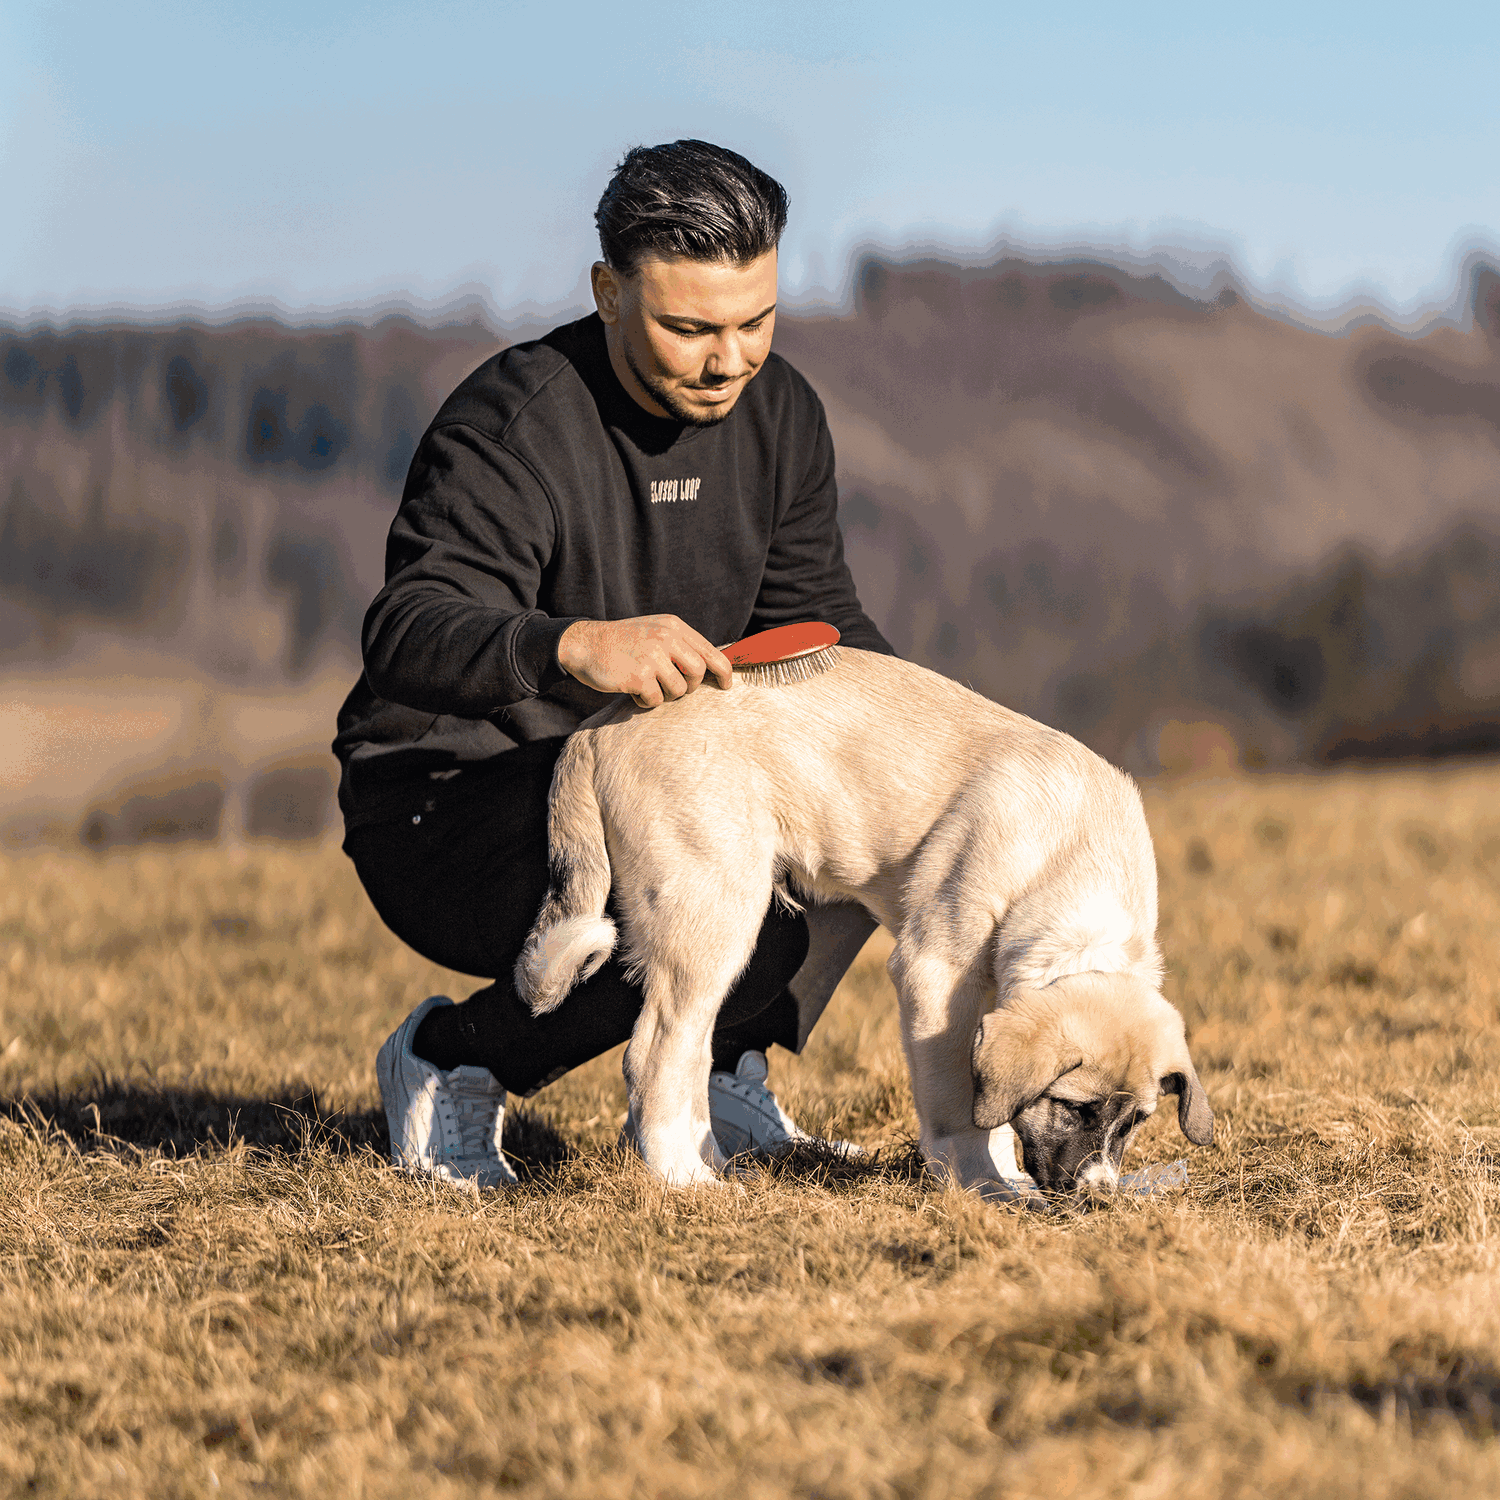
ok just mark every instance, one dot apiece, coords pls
pixel 1086 1113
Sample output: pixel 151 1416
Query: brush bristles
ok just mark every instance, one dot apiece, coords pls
pixel 798 669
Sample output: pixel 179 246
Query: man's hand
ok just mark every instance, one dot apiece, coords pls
pixel 653 658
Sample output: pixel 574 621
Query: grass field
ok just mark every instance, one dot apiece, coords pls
pixel 211 1284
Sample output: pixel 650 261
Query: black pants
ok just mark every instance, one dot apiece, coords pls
pixel 459 875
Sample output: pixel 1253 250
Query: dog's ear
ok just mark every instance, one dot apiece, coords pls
pixel 1012 1066
pixel 1194 1117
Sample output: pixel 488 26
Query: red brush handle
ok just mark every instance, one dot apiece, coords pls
pixel 784 643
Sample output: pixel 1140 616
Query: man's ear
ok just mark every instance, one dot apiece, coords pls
pixel 1012 1065
pixel 606 284
pixel 1194 1117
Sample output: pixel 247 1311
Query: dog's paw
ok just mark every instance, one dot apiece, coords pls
pixel 1015 1192
pixel 689 1175
pixel 679 1166
pixel 675 1167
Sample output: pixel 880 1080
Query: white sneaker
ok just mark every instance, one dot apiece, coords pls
pixel 746 1116
pixel 443 1125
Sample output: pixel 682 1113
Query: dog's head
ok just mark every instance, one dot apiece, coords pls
pixel 1076 1067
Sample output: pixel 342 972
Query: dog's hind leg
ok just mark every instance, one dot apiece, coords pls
pixel 666 1072
pixel 692 944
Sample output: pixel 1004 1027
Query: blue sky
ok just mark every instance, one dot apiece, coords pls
pixel 156 152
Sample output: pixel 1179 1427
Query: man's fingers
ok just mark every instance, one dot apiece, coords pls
pixel 707 661
pixel 692 666
pixel 660 682
pixel 672 682
pixel 654 659
pixel 719 665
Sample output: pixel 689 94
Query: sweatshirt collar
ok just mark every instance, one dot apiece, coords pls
pixel 618 408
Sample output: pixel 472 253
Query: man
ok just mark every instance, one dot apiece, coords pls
pixel 590 514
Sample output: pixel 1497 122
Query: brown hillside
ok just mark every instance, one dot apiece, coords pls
pixel 1047 467
pixel 1125 509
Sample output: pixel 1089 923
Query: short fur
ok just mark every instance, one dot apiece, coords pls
pixel 1012 865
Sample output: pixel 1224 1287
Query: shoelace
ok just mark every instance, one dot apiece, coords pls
pixel 471 1126
pixel 760 1095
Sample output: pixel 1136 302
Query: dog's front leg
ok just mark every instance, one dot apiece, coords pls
pixel 940 1009
pixel 1003 1153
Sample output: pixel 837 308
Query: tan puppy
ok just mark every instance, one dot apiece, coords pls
pixel 1012 865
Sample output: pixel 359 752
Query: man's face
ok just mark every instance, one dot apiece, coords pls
pixel 686 336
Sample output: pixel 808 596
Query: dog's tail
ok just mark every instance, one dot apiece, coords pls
pixel 571 936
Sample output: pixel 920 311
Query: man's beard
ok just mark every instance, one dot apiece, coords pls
pixel 664 396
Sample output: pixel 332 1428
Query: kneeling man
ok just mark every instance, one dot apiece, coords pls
pixel 588 515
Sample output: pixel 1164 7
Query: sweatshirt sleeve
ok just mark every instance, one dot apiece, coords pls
pixel 806 577
pixel 456 629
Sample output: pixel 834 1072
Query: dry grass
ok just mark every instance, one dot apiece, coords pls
pixel 211 1283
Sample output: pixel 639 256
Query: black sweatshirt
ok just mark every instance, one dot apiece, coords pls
pixel 542 494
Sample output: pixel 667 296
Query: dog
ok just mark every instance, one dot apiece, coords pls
pixel 1012 865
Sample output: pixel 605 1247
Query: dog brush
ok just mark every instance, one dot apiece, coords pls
pixel 789 653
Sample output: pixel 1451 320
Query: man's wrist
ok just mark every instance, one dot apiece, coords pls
pixel 573 646
pixel 536 647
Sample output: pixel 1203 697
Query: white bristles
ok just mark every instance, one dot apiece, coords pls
pixel 798 669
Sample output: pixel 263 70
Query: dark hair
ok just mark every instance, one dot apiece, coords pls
pixel 691 201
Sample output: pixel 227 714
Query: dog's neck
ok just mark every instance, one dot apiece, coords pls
pixel 1095 935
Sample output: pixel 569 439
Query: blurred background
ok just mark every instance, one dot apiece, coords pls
pixel 1162 356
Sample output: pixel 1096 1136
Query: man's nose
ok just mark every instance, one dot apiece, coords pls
pixel 726 359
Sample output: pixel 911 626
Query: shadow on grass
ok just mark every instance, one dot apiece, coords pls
pixel 817 1164
pixel 185 1121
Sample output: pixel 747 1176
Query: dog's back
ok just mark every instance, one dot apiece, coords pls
pixel 856 768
